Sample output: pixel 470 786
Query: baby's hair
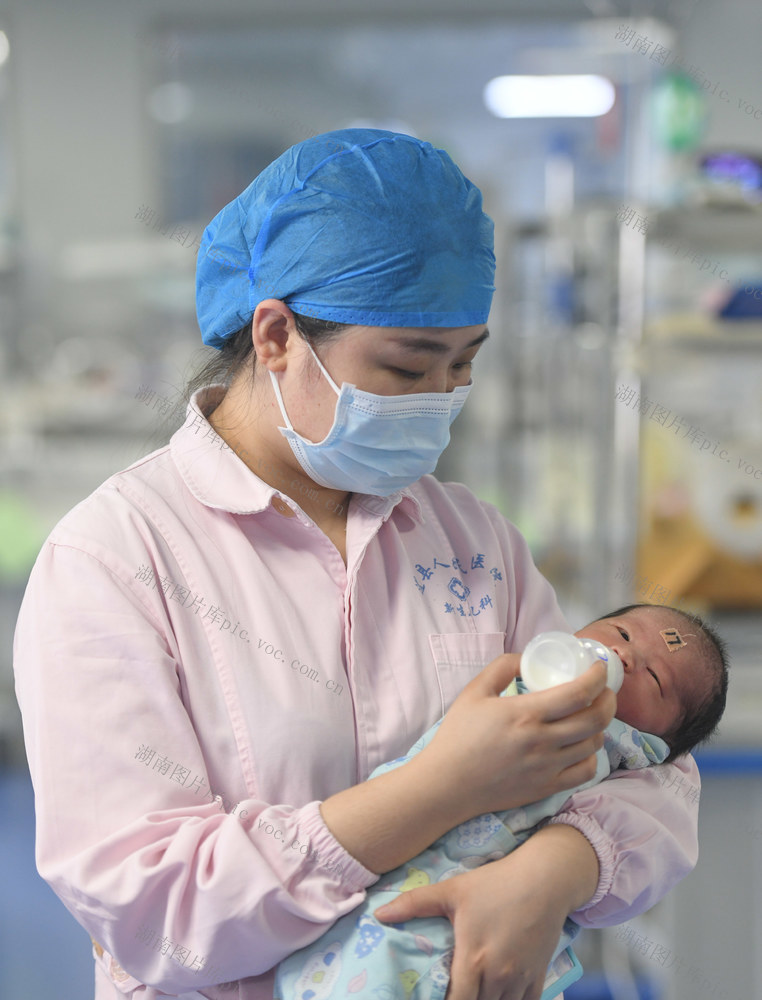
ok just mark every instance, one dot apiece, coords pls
pixel 699 722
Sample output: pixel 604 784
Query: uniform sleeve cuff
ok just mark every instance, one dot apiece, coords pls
pixel 601 844
pixel 331 856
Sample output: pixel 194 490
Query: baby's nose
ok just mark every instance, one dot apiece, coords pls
pixel 626 658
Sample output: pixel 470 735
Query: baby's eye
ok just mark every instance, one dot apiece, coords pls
pixel 655 677
pixel 624 633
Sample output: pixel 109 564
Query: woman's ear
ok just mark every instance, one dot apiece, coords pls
pixel 271 327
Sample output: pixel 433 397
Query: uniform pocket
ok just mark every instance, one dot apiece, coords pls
pixel 459 657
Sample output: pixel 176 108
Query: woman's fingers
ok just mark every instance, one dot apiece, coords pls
pixel 556 703
pixel 427 901
pixel 577 774
pixel 506 920
pixel 495 677
pixel 573 696
pixel 584 722
pixel 531 741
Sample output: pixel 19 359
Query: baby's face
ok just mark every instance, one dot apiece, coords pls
pixel 661 675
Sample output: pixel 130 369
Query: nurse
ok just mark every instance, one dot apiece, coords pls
pixel 218 646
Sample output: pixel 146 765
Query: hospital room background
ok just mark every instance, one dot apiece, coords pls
pixel 617 410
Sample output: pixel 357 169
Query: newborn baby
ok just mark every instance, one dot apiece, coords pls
pixel 671 699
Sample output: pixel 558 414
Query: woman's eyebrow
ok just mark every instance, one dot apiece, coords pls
pixel 419 344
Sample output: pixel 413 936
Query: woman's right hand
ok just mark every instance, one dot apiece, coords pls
pixel 492 753
pixel 489 753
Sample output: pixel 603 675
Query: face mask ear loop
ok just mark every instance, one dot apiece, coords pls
pixel 276 388
pixel 279 397
pixel 323 370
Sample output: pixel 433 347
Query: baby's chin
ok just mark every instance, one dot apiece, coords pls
pixel 632 714
pixel 625 716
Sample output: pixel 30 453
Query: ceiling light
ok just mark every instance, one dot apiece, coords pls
pixel 549 96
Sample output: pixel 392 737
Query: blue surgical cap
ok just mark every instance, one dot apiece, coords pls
pixel 359 226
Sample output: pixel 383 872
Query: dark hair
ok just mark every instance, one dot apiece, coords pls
pixel 238 352
pixel 223 365
pixel 699 721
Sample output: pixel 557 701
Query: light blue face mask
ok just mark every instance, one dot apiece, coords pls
pixel 377 444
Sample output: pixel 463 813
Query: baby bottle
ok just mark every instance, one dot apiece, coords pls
pixel 556 657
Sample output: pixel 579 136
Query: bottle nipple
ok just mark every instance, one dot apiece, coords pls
pixel 557 657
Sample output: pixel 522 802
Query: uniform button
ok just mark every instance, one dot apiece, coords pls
pixel 282 507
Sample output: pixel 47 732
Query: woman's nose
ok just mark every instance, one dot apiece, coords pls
pixel 438 381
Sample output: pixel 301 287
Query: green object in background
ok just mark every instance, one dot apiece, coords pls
pixel 679 111
pixel 524 521
pixel 21 538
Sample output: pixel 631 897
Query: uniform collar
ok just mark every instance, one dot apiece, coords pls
pixel 218 478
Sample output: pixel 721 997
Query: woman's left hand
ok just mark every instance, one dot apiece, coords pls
pixel 507 915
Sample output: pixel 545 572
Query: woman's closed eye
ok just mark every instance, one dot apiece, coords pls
pixel 458 372
pixel 406 373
